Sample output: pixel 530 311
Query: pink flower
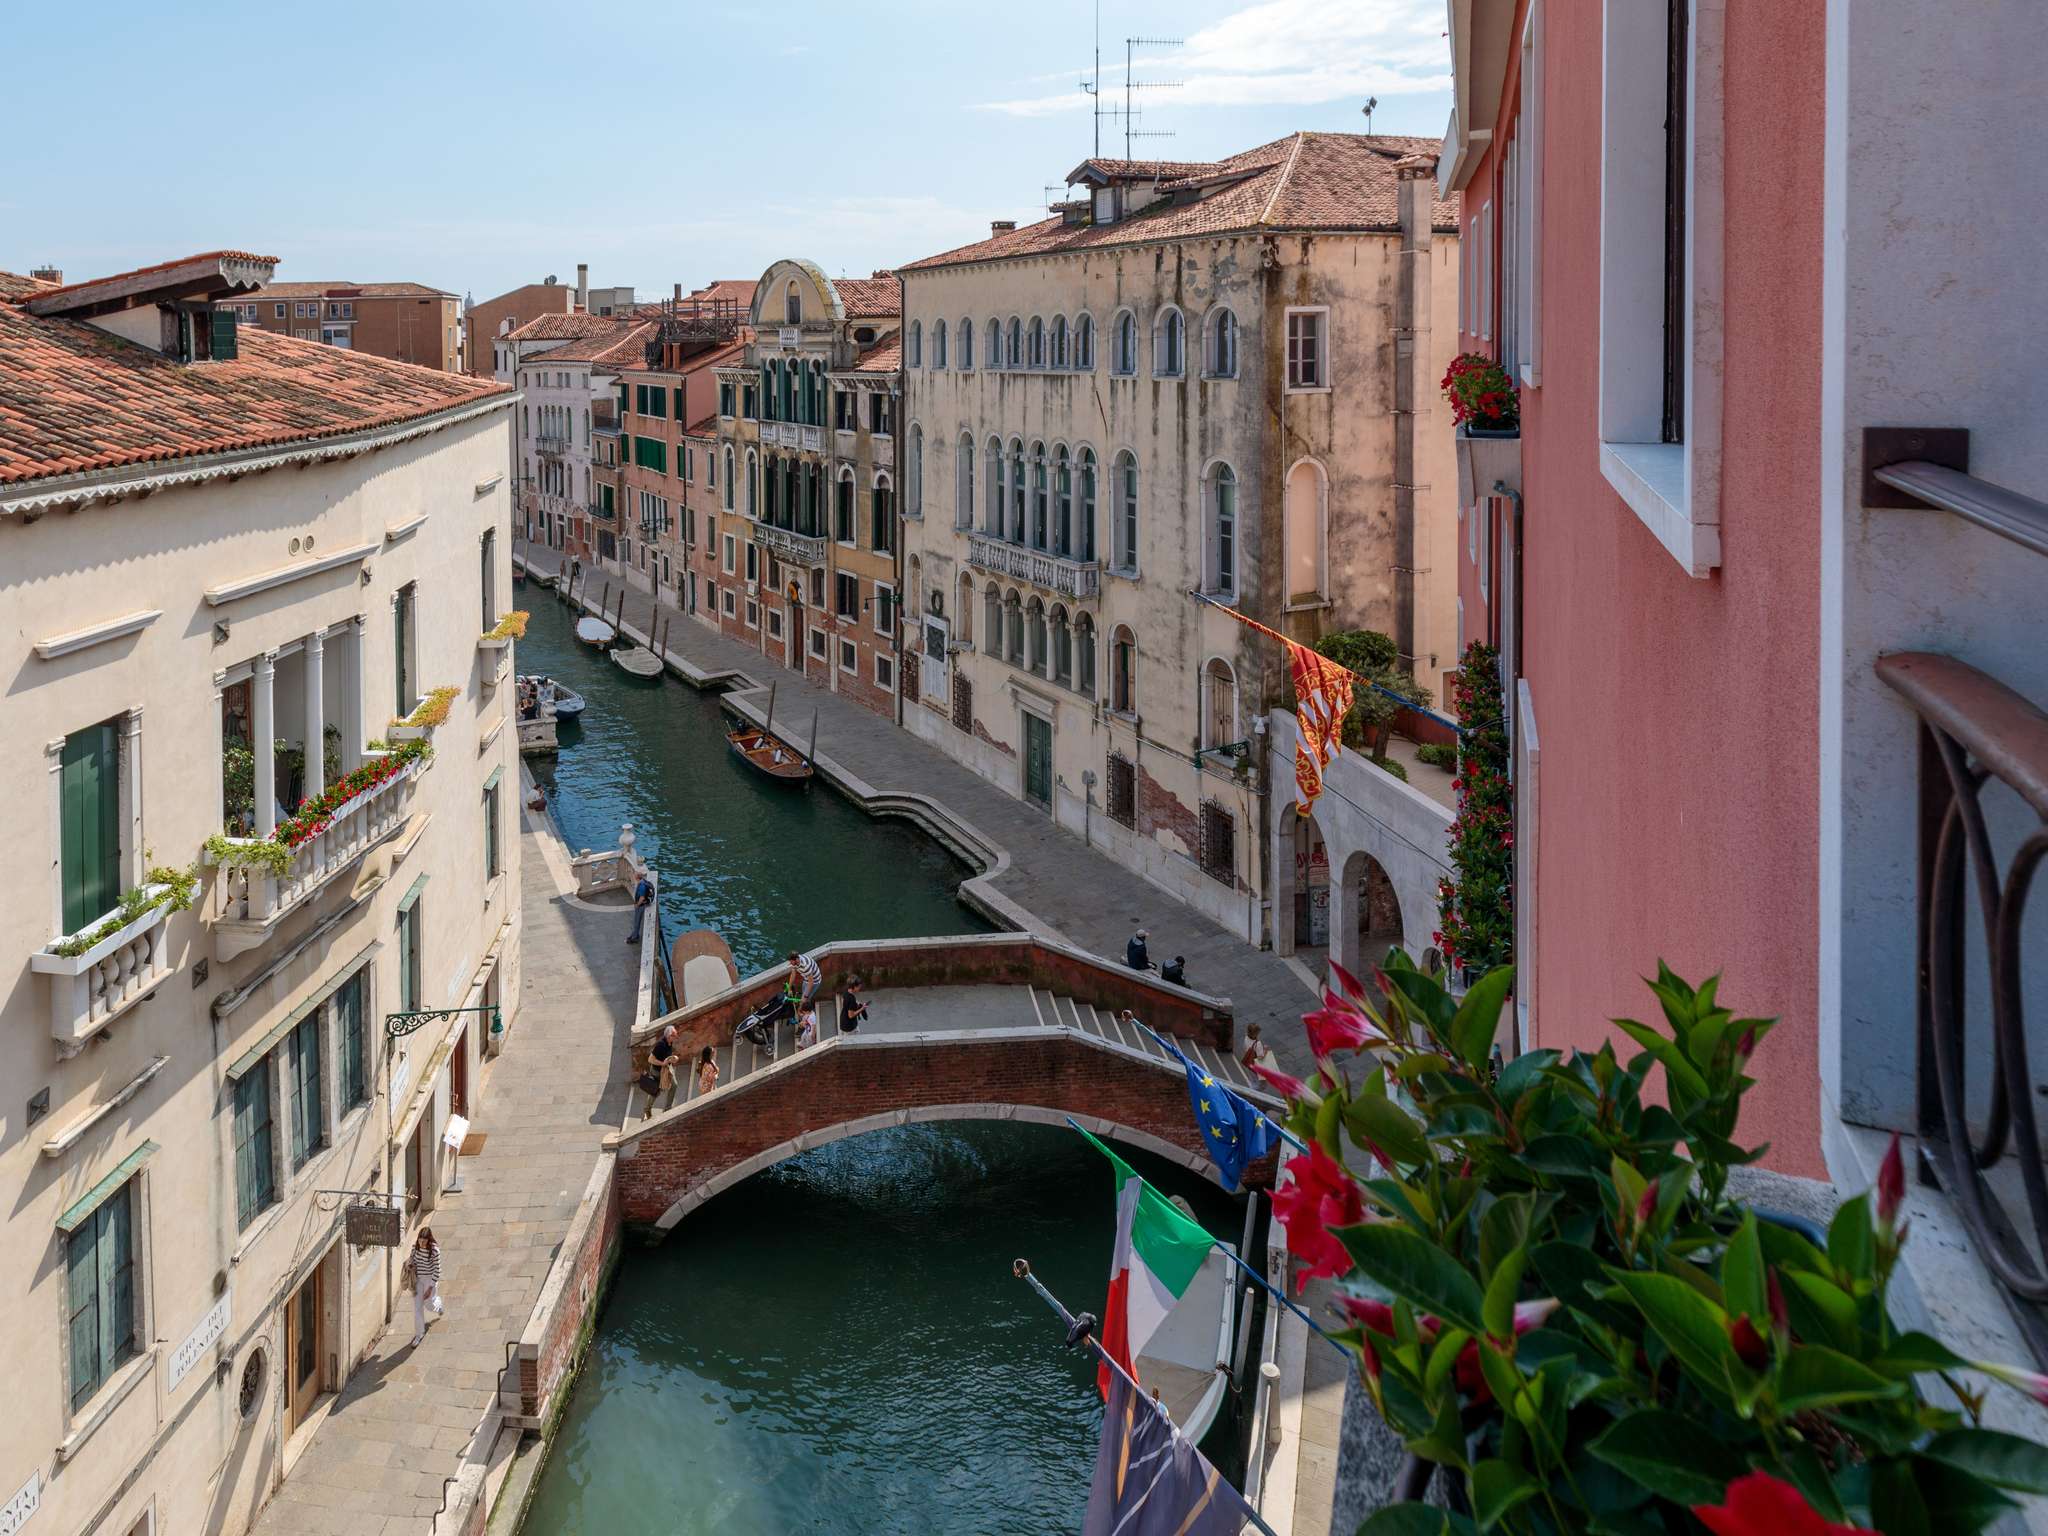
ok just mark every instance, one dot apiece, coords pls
pixel 1320 1196
pixel 1760 1505
pixel 1891 1187
pixel 1348 982
pixel 1647 1206
pixel 1292 1089
pixel 1368 1313
pixel 1534 1314
pixel 2033 1383
pixel 1781 1319
pixel 1339 1024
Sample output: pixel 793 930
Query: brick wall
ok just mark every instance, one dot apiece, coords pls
pixel 567 1308
pixel 852 1081
pixel 1159 808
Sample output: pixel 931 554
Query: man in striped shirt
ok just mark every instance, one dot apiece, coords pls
pixel 804 978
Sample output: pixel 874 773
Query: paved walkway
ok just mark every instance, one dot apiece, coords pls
pixel 377 1462
pixel 1075 891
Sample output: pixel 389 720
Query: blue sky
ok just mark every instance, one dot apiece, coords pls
pixel 479 146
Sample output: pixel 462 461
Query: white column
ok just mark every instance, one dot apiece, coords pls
pixel 316 714
pixel 53 750
pixel 352 699
pixel 134 860
pixel 263 735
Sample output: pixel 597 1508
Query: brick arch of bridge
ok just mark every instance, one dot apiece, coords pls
pixel 670 1165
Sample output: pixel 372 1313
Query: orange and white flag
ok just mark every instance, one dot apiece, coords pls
pixel 1322 698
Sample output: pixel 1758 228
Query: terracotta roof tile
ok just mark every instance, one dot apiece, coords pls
pixel 869 298
pixel 73 398
pixel 14 286
pixel 886 358
pixel 339 290
pixel 161 266
pixel 566 327
pixel 708 427
pixel 1333 181
pixel 1121 169
pixel 740 290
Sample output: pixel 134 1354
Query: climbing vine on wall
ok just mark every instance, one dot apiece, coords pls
pixel 1476 902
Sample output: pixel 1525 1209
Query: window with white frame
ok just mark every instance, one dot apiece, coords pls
pixel 753 614
pixel 1308 366
pixel 1220 531
pixel 729 562
pixel 1660 272
pixel 885 671
pixel 885 608
pixel 818 644
pixel 849 658
pixel 1124 512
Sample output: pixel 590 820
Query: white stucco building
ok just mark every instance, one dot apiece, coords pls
pixel 209 542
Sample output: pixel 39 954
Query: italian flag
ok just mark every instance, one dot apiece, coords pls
pixel 1158 1253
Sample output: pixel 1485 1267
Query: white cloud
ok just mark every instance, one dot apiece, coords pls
pixel 1287 52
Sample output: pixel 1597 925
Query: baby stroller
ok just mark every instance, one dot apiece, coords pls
pixel 759 1026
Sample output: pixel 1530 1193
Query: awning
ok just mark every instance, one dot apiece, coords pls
pixel 246 1062
pixel 75 1213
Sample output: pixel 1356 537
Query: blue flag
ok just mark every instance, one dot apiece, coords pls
pixel 1149 1481
pixel 1233 1130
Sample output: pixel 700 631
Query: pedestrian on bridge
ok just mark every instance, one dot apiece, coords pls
pixel 852 1008
pixel 807 1026
pixel 664 1059
pixel 1136 955
pixel 707 1072
pixel 804 977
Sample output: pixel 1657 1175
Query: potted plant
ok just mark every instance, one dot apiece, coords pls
pixel 430 712
pixel 1554 1298
pixel 1487 410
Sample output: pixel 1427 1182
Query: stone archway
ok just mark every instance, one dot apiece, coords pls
pixel 1375 912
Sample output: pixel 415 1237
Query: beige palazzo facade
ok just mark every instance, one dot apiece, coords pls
pixel 230 565
pixel 1193 380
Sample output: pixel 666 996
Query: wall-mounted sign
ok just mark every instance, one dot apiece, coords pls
pixel 371 1224
pixel 15 1512
pixel 204 1335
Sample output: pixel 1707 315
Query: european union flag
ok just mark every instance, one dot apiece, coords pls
pixel 1232 1129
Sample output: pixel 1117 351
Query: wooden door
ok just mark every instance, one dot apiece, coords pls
pixel 458 1073
pixel 1038 761
pixel 302 1351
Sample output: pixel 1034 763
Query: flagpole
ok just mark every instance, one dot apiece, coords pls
pixel 1285 1135
pixel 1083 1327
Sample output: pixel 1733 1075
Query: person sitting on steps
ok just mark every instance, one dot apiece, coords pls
pixel 1135 953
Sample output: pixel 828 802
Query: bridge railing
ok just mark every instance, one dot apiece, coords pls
pixel 988 959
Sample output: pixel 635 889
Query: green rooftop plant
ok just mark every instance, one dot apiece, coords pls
pixel 1553 1296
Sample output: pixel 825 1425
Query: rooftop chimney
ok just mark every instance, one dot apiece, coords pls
pixel 1001 226
pixel 679 293
pixel 47 274
pixel 583 285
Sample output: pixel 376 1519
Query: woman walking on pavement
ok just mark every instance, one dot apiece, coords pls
pixel 425 1264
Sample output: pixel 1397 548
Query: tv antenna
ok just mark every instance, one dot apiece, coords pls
pixel 1370 103
pixel 1129 112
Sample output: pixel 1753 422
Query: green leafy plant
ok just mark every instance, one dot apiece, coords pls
pixel 171 889
pixel 1475 903
pixel 1438 756
pixel 430 711
pixel 1373 656
pixel 1552 1295
pixel 1480 393
pixel 511 626
pixel 314 814
pixel 1391 765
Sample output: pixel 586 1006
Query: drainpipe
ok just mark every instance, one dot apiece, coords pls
pixel 1262 782
pixel 1411 331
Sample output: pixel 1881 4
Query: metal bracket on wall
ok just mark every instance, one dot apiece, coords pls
pixel 1884 447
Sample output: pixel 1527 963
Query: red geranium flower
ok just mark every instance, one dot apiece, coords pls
pixel 1760 1505
pixel 1320 1196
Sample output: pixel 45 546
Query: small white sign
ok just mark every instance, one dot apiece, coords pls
pixel 15 1512
pixel 204 1335
pixel 401 1074
pixel 456 1129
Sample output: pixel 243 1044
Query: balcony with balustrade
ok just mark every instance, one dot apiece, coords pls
pixel 1080 580
pixel 789 545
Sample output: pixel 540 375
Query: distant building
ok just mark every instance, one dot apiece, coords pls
pixel 232 561
pixel 803 563
pixel 564 367
pixel 408 322
pixel 1213 378
pixel 485 325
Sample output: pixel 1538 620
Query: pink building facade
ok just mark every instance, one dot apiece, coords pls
pixel 1721 329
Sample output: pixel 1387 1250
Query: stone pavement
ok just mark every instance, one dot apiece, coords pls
pixel 377 1462
pixel 1075 891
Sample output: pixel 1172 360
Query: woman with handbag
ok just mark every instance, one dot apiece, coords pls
pixel 423 1275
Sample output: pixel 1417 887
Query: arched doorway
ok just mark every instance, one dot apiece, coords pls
pixel 1375 915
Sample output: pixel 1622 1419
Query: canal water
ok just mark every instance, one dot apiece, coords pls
pixel 836 1345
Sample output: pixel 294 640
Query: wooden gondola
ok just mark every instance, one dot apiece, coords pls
pixel 768 755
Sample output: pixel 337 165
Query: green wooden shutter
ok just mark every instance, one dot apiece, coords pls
pixel 91 821
pixel 348 1020
pixel 225 345
pixel 255 1180
pixel 308 1112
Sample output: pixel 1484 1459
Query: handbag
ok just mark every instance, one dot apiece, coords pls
pixel 405 1275
pixel 650 1083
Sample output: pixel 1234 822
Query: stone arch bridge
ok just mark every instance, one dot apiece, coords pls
pixel 988 1027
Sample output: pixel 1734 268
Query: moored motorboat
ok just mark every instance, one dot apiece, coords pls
pixel 564 702
pixel 767 754
pixel 638 661
pixel 595 632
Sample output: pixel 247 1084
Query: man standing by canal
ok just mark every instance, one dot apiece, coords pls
pixel 643 898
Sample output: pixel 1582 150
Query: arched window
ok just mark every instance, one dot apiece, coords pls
pixel 1060 354
pixel 1013 624
pixel 939 344
pixel 1062 504
pixel 883 506
pixel 1219 531
pixel 814 515
pixel 992 613
pixel 728 480
pixel 753 484
pixel 1039 506
pixel 913 475
pixel 1219 704
pixel 1307 536
pixel 1084 344
pixel 963 482
pixel 1123 345
pixel 992 354
pixel 1036 347
pixel 966 345
pixel 965 617
pixel 1062 648
pixel 1084 656
pixel 1084 548
pixel 1013 350
pixel 1124 512
pixel 917 343
pixel 1169 344
pixel 1220 344
pixel 1034 630
pixel 1016 490
pixel 992 487
pixel 842 507
pixel 1123 670
pixel 792 304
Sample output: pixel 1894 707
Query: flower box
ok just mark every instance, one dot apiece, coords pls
pixel 88 989
pixel 1488 456
pixel 410 733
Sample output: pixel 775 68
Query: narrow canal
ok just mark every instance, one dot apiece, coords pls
pixel 836 1345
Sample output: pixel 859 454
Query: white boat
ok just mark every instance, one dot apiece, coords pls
pixel 564 701
pixel 638 661
pixel 595 632
pixel 1187 1361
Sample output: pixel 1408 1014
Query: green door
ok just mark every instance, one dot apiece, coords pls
pixel 91 797
pixel 1038 761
